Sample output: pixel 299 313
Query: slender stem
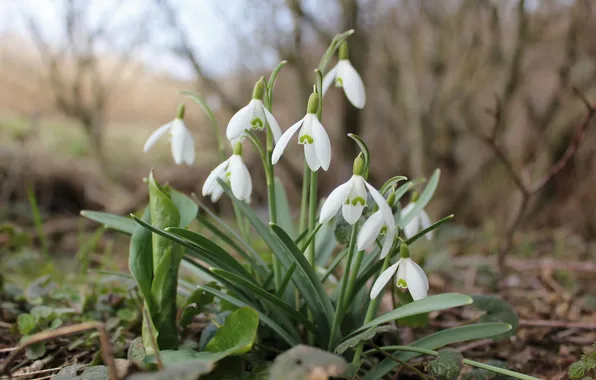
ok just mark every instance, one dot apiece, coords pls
pixel 270 174
pixel 312 214
pixel 372 310
pixel 398 360
pixel 353 276
pixel 344 284
pixel 304 199
pixel 473 363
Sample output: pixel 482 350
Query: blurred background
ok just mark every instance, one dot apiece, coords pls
pixel 83 83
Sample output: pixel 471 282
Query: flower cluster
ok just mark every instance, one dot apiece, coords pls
pixel 351 197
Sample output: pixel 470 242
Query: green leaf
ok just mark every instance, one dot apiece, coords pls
pixel 35 351
pixel 497 310
pixel 271 86
pixel 190 369
pixel 42 313
pixel 335 43
pixel 166 261
pixel 187 208
pixel 486 374
pixel 362 337
pixel 115 222
pixel 274 300
pixel 418 320
pixel 209 331
pixel 438 340
pixel 238 333
pixel 95 372
pixel 325 243
pixel 428 229
pixel 215 253
pixel 140 258
pixel 363 148
pixel 423 200
pixel 391 182
pixel 26 323
pixel 136 351
pixel 317 300
pixel 284 213
pixel 447 365
pixel 266 320
pixel 304 362
pixel 195 304
pixel 425 305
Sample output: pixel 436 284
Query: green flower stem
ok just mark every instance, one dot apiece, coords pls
pixel 372 310
pixel 304 199
pixel 344 286
pixel 353 276
pixel 312 214
pixel 472 363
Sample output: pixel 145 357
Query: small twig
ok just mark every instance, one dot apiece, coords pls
pixel 398 360
pixel 64 331
pixel 32 373
pixel 153 340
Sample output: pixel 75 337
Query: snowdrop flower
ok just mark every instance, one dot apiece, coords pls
pixel 351 198
pixel 374 226
pixel 409 275
pixel 344 75
pixel 253 116
pixel 317 147
pixel 183 146
pixel 235 173
pixel 417 224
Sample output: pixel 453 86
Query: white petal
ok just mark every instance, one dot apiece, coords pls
pixel 156 135
pixel 239 122
pixel 239 177
pixel 334 201
pixel 401 273
pixel 322 143
pixel 412 228
pixel 329 78
pixel 383 279
pixel 211 180
pixel 388 242
pixel 352 84
pixel 216 193
pixel 352 213
pixel 273 124
pixel 416 279
pixel 383 205
pixel 179 141
pixel 284 140
pixel 312 160
pixel 370 230
pixel 258 112
pixel 188 149
pixel 425 223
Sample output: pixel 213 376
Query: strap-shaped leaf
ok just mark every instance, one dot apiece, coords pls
pixel 115 222
pixel 423 200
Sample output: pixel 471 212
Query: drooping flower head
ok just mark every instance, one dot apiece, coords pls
pixel 183 146
pixel 351 198
pixel 317 146
pixel 418 223
pixel 376 226
pixel 344 75
pixel 254 116
pixel 408 275
pixel 234 171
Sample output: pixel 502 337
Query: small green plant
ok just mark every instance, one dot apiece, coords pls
pixel 272 284
pixel 585 367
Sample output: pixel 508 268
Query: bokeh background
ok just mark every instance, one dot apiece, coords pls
pixel 83 83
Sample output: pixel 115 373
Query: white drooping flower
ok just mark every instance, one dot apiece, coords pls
pixel 408 275
pixel 317 146
pixel 183 146
pixel 351 198
pixel 234 171
pixel 253 116
pixel 345 75
pixel 374 226
pixel 417 224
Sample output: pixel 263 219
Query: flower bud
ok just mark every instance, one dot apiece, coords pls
pixel 359 165
pixel 259 89
pixel 313 103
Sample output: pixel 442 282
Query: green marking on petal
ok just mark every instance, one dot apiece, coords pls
pixel 228 174
pixel 257 124
pixel 357 200
pixel 383 230
pixel 306 139
pixel 401 283
pixel 339 82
